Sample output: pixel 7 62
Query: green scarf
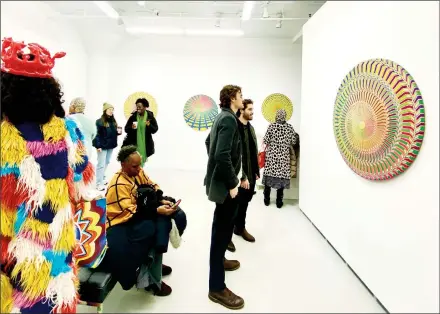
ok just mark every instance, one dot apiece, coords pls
pixel 141 148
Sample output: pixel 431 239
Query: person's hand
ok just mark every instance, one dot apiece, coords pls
pixel 258 177
pixel 245 184
pixel 165 210
pixel 165 202
pixel 147 123
pixel 233 192
pixel 99 150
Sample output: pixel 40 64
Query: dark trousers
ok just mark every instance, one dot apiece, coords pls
pixel 222 227
pixel 163 228
pixel 244 198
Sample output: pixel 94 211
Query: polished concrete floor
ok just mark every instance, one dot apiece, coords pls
pixel 290 267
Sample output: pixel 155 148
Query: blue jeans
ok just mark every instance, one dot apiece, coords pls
pixel 104 158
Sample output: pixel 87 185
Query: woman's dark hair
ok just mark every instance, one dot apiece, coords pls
pixel 144 102
pixel 227 93
pixel 246 102
pixel 125 152
pixel 107 120
pixel 30 99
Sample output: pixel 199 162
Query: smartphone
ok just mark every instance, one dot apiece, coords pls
pixel 176 204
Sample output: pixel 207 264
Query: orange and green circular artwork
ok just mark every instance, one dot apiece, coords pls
pixel 274 102
pixel 379 119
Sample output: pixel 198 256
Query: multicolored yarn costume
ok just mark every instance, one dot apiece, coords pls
pixel 44 173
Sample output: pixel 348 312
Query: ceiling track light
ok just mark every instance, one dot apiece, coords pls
pixel 218 20
pixel 280 15
pixel 141 3
pixel 265 12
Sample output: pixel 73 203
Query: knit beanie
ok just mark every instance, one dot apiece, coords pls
pixel 107 106
pixel 78 104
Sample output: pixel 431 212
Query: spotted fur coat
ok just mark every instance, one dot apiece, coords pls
pixel 279 139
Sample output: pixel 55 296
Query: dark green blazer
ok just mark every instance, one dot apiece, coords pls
pixel 224 156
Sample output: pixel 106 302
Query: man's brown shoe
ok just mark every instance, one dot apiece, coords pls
pixel 231 247
pixel 227 298
pixel 245 234
pixel 231 265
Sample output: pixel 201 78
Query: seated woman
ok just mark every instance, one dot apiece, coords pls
pixel 139 221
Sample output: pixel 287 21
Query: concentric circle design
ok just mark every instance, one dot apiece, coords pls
pixel 199 112
pixel 130 103
pixel 379 119
pixel 274 102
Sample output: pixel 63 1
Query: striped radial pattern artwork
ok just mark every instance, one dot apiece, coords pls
pixel 379 119
pixel 199 112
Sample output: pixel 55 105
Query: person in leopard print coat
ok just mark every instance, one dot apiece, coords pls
pixel 279 139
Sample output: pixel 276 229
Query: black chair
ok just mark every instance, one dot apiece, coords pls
pixel 95 285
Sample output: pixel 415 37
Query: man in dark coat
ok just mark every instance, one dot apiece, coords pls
pixel 250 170
pixel 221 181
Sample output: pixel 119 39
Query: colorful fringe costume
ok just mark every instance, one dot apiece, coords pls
pixel 44 173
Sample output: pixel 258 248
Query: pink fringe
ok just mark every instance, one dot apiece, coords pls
pixel 44 243
pixel 41 149
pixel 21 301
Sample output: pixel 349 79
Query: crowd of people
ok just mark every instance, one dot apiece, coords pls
pixel 45 171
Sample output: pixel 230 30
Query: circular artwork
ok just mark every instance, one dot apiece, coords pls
pixel 199 112
pixel 379 119
pixel 130 103
pixel 274 102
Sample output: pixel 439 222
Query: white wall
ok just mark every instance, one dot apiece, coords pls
pixel 172 69
pixel 387 231
pixel 33 21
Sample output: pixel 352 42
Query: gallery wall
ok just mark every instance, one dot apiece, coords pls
pixel 387 231
pixel 34 21
pixel 173 69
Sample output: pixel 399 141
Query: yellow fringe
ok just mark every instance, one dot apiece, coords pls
pixel 67 240
pixel 57 192
pixel 7 220
pixel 34 278
pixel 13 146
pixel 6 300
pixel 55 130
pixel 38 229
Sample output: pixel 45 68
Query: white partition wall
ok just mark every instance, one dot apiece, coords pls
pixel 386 231
pixel 34 21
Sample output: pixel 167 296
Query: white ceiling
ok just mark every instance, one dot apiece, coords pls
pixel 91 22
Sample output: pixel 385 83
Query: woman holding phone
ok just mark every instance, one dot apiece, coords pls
pixel 139 128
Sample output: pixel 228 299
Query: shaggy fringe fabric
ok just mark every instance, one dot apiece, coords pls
pixel 37 215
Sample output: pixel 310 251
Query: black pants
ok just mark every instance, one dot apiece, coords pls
pixel 222 227
pixel 244 198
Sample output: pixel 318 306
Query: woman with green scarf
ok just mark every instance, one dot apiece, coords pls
pixel 139 128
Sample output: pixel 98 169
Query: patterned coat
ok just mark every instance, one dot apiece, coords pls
pixel 44 171
pixel 279 138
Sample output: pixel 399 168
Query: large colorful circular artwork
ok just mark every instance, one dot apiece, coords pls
pixel 130 103
pixel 379 119
pixel 274 102
pixel 199 112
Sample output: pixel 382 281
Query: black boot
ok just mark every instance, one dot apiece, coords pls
pixel 280 195
pixel 266 195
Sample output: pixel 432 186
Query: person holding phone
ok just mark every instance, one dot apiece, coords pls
pixel 221 181
pixel 139 128
pixel 138 226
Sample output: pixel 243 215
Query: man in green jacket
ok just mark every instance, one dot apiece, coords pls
pixel 250 171
pixel 221 181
